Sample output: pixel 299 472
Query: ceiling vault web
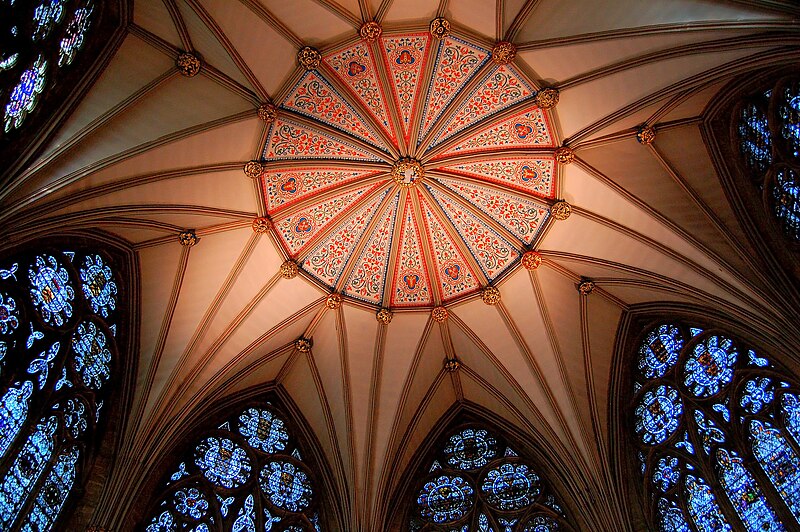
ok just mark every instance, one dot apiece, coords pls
pixel 373 412
pixel 520 20
pixel 180 24
pixel 271 20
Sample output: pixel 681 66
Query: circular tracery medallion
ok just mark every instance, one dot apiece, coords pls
pixel 414 188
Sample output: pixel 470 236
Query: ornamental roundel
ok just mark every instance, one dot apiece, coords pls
pixel 422 166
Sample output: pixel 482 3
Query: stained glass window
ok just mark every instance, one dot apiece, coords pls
pixel 37 44
pixel 245 475
pixel 768 128
pixel 477 482
pixel 53 379
pixel 716 433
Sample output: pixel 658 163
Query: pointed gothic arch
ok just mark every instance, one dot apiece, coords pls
pixel 696 398
pixel 505 483
pixel 249 462
pixel 66 374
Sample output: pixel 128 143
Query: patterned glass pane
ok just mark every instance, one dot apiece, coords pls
pixel 789 114
pixel 710 367
pixel 9 314
pixel 666 473
pixel 223 462
pixel 53 494
pixel 75 34
pixel 98 285
pixel 541 523
pixel 286 486
pixel 191 502
pixel 755 142
pixel 26 470
pixel 703 506
pixel 51 290
pixel 786 201
pixel 779 462
pixel 658 414
pixel 445 499
pixel 92 357
pixel 13 411
pixel 46 15
pixel 746 497
pixel 659 351
pixel 263 430
pixel 791 414
pixel 671 518
pixel 246 518
pixel 708 431
pixel 26 94
pixel 758 393
pixel 510 486
pixel 470 449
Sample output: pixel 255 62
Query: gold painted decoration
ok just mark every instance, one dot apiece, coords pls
pixel 646 135
pixel 503 53
pixel 531 260
pixel 188 64
pixel 261 225
pixel 309 58
pixel 440 27
pixel 253 169
pixel 585 287
pixel 384 316
pixel 560 210
pixel 490 295
pixel 289 269
pixel 547 98
pixel 407 172
pixel 370 31
pixel 334 301
pixel 451 365
pixel 267 112
pixel 439 314
pixel 188 238
pixel 304 344
pixel 565 155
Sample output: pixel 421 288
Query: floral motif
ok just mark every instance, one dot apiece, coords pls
pixel 411 284
pixel 98 285
pixel 9 315
pixel 188 64
pixel 191 503
pixel 51 290
pixel 369 276
pixel 290 140
pixel 532 175
pixel 405 57
pixel 25 94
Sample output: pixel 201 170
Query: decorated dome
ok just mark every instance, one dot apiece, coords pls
pixel 409 170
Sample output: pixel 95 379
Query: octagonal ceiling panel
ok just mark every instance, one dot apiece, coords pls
pixel 363 198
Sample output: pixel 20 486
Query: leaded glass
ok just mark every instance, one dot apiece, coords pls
pixel 724 396
pixel 658 414
pixel 47 14
pixel 98 285
pixel 246 472
pixel 779 462
pixel 786 201
pixel 445 499
pixel 26 94
pixel 710 367
pixel 92 357
pixel 53 494
pixel 75 417
pixel 41 365
pixel 541 523
pixel 510 486
pixel 755 141
pixel 13 411
pixel 223 462
pixel 9 315
pixel 75 35
pixel 51 290
pixel 470 449
pixel 659 351
pixel 745 495
pixel 789 113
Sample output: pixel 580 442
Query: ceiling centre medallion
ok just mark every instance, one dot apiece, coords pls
pixel 408 170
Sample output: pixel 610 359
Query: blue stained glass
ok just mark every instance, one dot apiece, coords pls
pixel 666 473
pixel 25 94
pixel 92 357
pixel 470 449
pixel 685 444
pixel 13 411
pixel 483 524
pixel 710 434
pixel 791 414
pixel 8 62
pixel 315 522
pixel 10 273
pixel 180 473
pixel 46 15
pixel 671 518
pixel 26 470
pixel 43 364
pixel 435 466
pixel 263 430
pixel 75 34
pixel 164 522
pixel 98 285
pixel 758 392
pixel 35 335
pixel 224 504
pixel 270 520
pixel 755 360
pixel 755 139
pixel 507 524
pixel 659 351
pixel 510 452
pixel 779 462
pixel 746 497
pixel 191 502
pixel 286 486
pixel 445 499
pixel 223 462
pixel 511 486
pixel 246 519
pixel 710 366
pixel 723 410
pixel 703 507
pixel 789 111
pixel 75 417
pixel 51 290
pixel 9 315
pixel 3 351
pixel 63 381
pixel 551 503
pixel 296 454
pixel 786 201
pixel 53 494
pixel 541 523
pixel 658 414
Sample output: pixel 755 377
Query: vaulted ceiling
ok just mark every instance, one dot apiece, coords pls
pixel 149 153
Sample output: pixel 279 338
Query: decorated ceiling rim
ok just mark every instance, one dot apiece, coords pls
pixel 409 169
